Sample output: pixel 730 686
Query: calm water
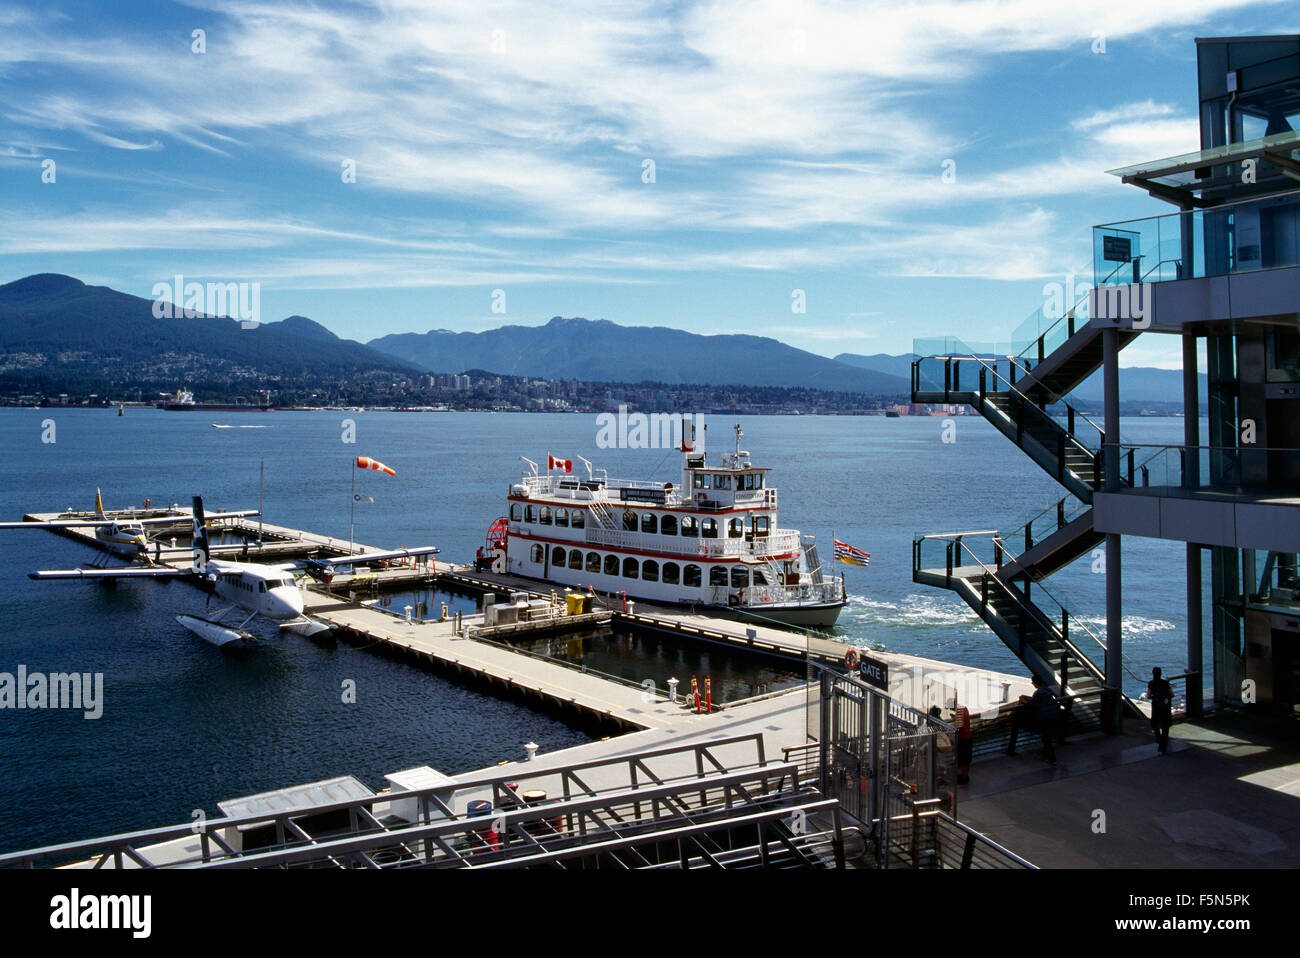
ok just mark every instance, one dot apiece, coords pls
pixel 185 725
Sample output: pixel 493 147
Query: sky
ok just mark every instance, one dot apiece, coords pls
pixel 899 170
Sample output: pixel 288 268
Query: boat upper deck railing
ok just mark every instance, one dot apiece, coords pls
pixel 781 542
pixel 644 492
pixel 1245 236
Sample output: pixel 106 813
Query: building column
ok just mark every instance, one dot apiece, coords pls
pixel 1191 480
pixel 1191 415
pixel 1111 704
pixel 1195 664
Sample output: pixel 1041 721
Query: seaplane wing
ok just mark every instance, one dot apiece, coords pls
pixel 126 572
pixel 92 523
pixel 318 568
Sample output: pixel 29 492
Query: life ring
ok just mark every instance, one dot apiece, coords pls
pixel 851 658
pixel 148 503
pixel 703 550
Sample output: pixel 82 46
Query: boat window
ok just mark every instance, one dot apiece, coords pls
pixel 629 521
pixel 546 515
pixel 701 480
pixel 557 557
pixel 668 526
pixel 611 565
pixel 649 522
pixel 735 528
pixel 593 562
pixel 516 512
pixel 739 577
pixel 758 480
pixel 579 518
pixel 530 514
pixel 629 568
pixel 650 570
pixel 672 573
pixel 690 527
pixel 749 480
pixel 761 525
pixel 721 481
pixel 575 559
pixel 691 575
pixel 561 517
pixel 536 554
pixel 709 528
pixel 718 575
pixel 261 587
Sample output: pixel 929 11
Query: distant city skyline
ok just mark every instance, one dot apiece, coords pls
pixel 896 171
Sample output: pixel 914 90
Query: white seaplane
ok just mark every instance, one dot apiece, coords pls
pixel 270 591
pixel 123 537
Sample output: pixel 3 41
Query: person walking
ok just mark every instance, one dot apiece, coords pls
pixel 1161 694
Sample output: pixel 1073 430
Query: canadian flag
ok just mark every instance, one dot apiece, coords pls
pixel 553 463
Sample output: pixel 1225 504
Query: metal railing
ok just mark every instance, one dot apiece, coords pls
pixel 779 542
pixel 682 792
pixel 1218 241
pixel 955 547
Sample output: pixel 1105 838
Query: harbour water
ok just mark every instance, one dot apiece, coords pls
pixel 184 725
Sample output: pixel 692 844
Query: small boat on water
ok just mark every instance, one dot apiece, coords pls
pixel 710 541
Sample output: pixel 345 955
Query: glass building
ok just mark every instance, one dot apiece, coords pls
pixel 1221 269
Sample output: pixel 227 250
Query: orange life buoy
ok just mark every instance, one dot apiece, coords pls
pixel 851 658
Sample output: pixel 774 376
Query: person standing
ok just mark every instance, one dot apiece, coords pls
pixel 1161 694
pixel 965 744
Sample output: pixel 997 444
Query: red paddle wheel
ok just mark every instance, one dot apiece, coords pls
pixel 496 535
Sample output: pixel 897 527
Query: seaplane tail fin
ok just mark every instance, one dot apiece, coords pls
pixel 99 505
pixel 200 537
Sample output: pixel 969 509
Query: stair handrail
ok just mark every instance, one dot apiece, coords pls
pixel 1016 533
pixel 1027 603
pixel 1069 314
pixel 1011 387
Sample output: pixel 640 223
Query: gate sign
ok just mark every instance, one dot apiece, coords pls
pixel 1117 249
pixel 874 673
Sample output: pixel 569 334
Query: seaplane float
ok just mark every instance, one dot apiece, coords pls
pixel 268 590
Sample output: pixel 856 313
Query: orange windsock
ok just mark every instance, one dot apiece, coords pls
pixel 365 462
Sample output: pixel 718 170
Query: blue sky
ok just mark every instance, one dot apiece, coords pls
pixel 497 145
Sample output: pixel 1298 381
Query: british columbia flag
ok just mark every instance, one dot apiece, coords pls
pixel 847 553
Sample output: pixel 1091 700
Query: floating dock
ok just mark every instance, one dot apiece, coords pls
pixel 466 647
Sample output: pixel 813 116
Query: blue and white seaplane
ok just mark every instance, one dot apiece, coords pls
pixel 270 591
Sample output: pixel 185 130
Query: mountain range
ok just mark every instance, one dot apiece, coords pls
pixel 58 333
pixel 601 351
